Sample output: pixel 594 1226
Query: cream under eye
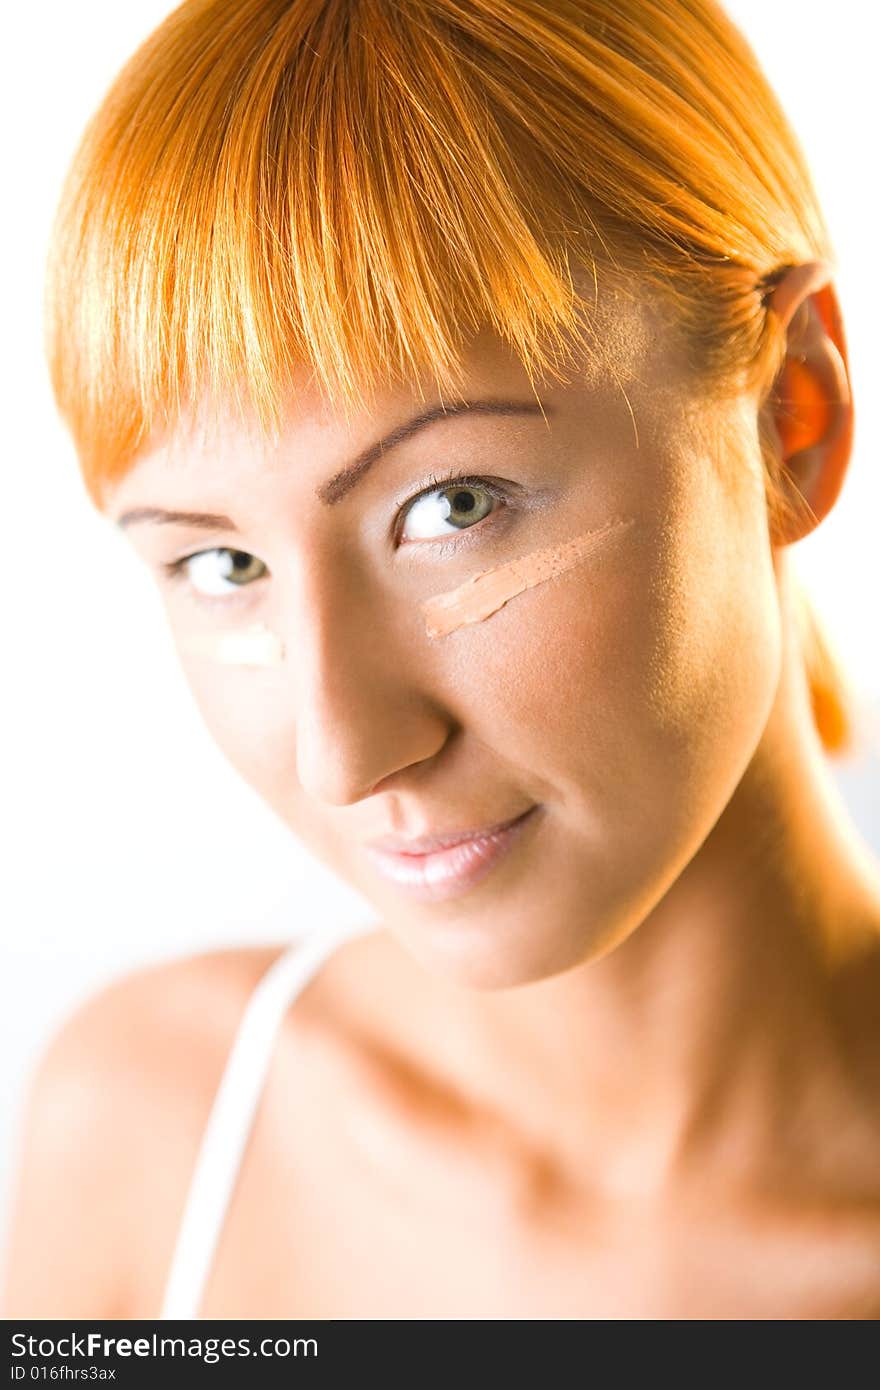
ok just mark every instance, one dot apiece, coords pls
pixel 449 505
pixel 216 573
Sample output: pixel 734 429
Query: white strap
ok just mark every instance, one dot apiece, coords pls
pixel 231 1117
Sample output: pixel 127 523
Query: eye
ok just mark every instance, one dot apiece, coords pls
pixel 457 505
pixel 216 573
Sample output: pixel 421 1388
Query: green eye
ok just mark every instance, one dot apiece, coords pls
pixel 456 506
pixel 215 573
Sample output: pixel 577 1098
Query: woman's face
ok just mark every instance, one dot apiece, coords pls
pixel 623 697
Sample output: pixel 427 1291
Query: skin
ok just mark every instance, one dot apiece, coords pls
pixel 633 1072
pixel 485 592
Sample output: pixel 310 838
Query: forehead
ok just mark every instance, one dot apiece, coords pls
pixel 630 357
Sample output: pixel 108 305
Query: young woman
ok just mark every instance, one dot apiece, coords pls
pixel 464 371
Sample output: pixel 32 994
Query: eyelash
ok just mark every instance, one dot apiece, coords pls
pixel 175 569
pixel 436 482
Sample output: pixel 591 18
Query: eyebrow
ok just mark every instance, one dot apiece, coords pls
pixel 342 482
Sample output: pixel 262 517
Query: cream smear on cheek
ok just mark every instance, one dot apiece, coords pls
pixel 471 602
pixel 484 593
pixel 253 646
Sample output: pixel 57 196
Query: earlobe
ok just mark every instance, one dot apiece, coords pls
pixel 810 407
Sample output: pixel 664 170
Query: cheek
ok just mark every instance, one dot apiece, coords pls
pixel 633 697
pixel 250 715
pixel 246 713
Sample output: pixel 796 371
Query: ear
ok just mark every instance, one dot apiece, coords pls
pixel 808 414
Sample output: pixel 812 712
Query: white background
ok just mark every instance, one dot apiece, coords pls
pixel 126 836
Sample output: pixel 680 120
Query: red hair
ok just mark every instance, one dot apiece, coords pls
pixel 354 185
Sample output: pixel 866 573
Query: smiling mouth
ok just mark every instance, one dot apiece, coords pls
pixel 451 864
pixel 427 844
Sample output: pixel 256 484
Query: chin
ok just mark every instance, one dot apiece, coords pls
pixel 500 949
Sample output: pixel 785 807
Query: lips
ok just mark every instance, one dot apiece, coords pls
pixel 435 867
pixel 426 844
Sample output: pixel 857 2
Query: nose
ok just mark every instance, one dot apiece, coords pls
pixel 362 711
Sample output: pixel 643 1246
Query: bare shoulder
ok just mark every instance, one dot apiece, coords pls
pixel 114 1110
